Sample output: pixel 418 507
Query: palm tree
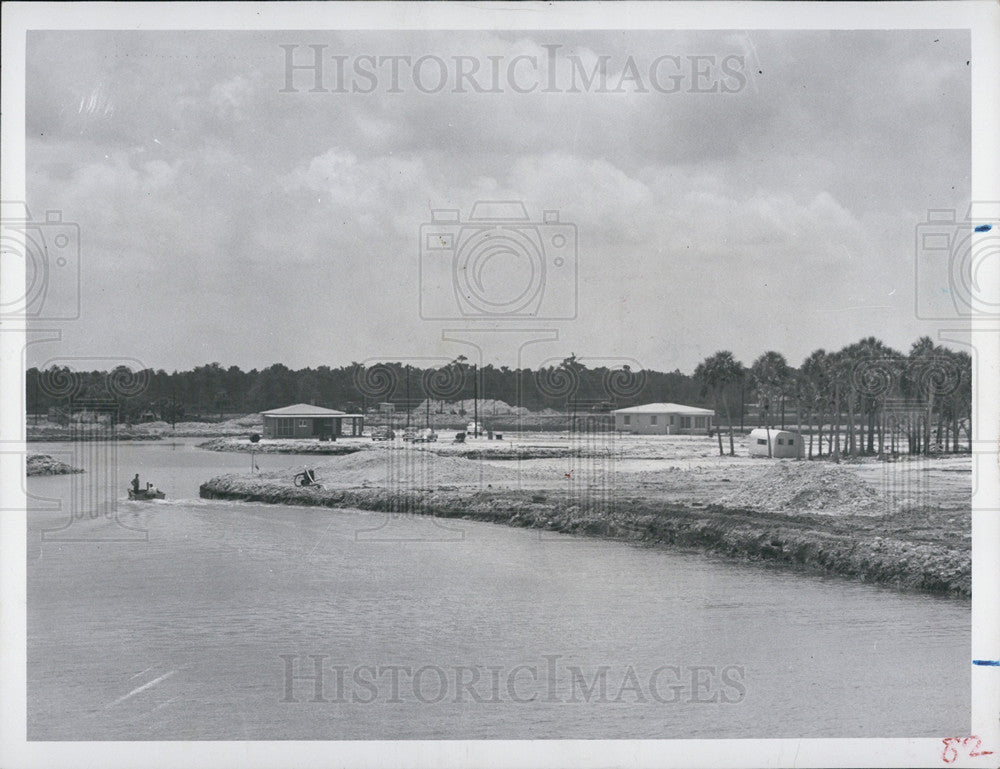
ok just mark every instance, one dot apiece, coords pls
pixel 934 373
pixel 771 375
pixel 851 357
pixel 873 375
pixel 814 387
pixel 716 373
pixel 961 399
pixel 838 373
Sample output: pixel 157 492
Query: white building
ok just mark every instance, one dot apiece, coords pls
pixel 784 443
pixel 664 419
pixel 302 420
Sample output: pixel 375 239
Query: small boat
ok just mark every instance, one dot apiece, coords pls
pixel 145 494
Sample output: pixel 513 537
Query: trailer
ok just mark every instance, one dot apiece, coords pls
pixel 777 444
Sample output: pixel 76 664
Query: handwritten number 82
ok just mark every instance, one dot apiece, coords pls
pixel 970 744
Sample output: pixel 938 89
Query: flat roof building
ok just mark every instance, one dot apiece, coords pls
pixel 664 419
pixel 302 420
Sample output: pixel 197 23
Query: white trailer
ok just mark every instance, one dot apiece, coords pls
pixel 784 444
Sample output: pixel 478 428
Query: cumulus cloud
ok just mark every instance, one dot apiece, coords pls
pixel 285 226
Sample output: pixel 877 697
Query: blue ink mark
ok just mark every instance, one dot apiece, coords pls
pixel 984 228
pixel 987 663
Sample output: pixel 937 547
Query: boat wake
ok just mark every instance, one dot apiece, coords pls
pixel 182 502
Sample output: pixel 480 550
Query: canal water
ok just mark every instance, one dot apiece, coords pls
pixel 197 619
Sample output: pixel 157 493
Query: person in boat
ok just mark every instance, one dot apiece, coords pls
pixel 135 483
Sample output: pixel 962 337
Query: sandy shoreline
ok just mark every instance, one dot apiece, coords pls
pixel 853 521
pixel 243 445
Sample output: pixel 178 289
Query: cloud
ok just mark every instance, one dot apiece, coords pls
pixel 287 224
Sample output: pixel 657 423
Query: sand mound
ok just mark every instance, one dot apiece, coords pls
pixel 43 464
pixel 487 407
pixel 158 425
pixel 408 467
pixel 799 487
pixel 235 426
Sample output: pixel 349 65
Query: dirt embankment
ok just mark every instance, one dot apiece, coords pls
pixel 445 446
pixel 244 425
pixel 43 464
pixel 512 452
pixel 142 431
pixel 243 444
pixel 79 434
pixel 829 524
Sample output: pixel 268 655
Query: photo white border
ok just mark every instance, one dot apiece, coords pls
pixel 981 16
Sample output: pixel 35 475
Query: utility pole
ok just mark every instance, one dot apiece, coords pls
pixel 742 393
pixel 407 396
pixel 475 401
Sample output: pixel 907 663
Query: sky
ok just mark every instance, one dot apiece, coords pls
pixel 722 190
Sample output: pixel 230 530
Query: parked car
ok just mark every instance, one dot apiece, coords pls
pixel 383 434
pixel 427 435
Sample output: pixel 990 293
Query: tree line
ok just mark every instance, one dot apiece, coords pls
pixel 863 399
pixel 211 391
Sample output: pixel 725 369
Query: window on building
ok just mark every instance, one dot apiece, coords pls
pixel 791 441
pixel 686 422
pixel 699 421
pixel 283 428
pixel 652 419
pixel 761 441
pixel 672 419
pixel 781 441
pixel 627 420
pixel 303 423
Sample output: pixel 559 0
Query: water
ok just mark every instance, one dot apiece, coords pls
pixel 169 621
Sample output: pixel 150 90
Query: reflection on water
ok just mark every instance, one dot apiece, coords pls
pixel 212 627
